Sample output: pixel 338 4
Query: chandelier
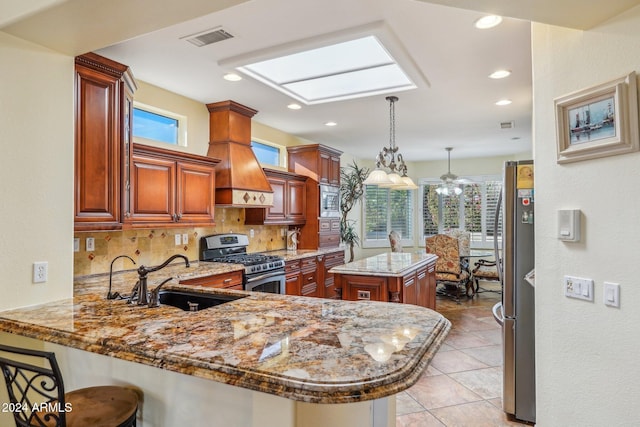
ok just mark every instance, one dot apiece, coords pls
pixel 397 178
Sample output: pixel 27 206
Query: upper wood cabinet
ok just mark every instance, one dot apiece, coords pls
pixel 170 188
pixel 317 161
pixel 103 105
pixel 289 200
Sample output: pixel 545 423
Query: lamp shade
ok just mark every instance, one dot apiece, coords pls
pixel 395 180
pixel 408 183
pixel 377 177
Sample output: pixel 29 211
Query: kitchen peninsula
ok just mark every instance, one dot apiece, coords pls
pixel 407 278
pixel 262 360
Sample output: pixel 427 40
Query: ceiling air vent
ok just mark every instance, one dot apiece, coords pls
pixel 506 125
pixel 208 37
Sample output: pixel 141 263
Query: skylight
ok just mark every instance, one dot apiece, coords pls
pixel 352 69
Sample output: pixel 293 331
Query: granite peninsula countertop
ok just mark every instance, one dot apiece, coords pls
pixel 305 349
pixel 393 264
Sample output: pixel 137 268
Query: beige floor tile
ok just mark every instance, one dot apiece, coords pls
pixel 490 355
pixel 476 414
pixel 420 419
pixel 455 361
pixel 486 383
pixel 440 391
pixel 405 404
pixel 460 340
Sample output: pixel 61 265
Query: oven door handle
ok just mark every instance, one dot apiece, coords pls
pixel 265 276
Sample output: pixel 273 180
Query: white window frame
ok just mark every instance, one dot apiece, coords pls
pixel 384 242
pixel 483 243
pixel 182 124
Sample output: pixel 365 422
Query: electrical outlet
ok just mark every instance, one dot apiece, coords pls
pixel 579 288
pixel 252 233
pixel 76 244
pixel 40 271
pixel 90 244
pixel 185 239
pixel 178 239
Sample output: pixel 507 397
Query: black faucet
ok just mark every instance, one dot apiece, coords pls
pixel 115 294
pixel 143 296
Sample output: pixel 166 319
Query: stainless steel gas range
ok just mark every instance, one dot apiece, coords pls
pixel 262 272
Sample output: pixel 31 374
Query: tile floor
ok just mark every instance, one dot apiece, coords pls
pixel 463 385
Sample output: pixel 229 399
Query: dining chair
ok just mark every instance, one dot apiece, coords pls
pixel 37 396
pixel 394 240
pixel 486 271
pixel 449 272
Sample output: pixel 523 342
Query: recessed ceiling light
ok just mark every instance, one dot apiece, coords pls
pixel 232 77
pixel 503 102
pixel 500 74
pixel 294 106
pixel 331 124
pixel 488 21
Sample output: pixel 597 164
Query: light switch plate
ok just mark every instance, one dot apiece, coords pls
pixel 579 288
pixel 185 238
pixel 611 296
pixel 178 239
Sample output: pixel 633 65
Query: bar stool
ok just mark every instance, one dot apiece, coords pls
pixel 37 396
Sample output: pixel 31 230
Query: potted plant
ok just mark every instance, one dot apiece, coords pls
pixel 351 192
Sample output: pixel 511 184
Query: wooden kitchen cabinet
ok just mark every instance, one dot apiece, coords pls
pixel 321 164
pixel 414 284
pixel 328 261
pixel 309 272
pixel 289 201
pixel 317 161
pixel 103 109
pixel 293 277
pixel 232 280
pixel 170 188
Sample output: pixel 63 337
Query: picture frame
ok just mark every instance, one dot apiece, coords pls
pixel 599 121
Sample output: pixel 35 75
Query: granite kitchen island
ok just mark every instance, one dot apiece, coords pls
pixel 261 360
pixel 398 277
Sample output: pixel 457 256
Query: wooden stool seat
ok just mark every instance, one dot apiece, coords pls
pixel 101 406
pixel 38 389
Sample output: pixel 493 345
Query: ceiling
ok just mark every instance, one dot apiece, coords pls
pixel 453 104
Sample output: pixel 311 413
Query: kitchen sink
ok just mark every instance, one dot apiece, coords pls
pixel 191 301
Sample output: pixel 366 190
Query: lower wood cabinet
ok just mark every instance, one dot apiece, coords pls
pixel 309 272
pixel 309 276
pixel 417 287
pixel 232 280
pixel 329 261
pixel 293 277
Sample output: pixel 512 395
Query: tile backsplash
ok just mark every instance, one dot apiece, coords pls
pixel 153 246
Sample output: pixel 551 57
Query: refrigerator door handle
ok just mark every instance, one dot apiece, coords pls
pixel 498 314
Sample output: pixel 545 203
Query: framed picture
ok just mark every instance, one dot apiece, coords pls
pixel 599 121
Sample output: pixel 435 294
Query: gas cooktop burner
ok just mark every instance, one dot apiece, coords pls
pixel 232 248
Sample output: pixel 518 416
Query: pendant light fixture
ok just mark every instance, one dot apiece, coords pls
pixel 449 186
pixel 397 178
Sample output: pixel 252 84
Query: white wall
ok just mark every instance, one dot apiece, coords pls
pixel 36 171
pixel 587 354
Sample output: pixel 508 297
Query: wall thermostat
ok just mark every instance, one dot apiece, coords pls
pixel 569 225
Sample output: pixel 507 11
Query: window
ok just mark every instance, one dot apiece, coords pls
pixel 386 210
pixel 268 154
pixel 154 124
pixel 473 210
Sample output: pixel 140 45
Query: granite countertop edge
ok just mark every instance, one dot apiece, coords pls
pixel 76 332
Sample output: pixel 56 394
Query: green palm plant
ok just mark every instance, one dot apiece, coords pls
pixel 351 192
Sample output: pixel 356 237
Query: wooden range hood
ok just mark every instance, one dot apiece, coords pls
pixel 240 180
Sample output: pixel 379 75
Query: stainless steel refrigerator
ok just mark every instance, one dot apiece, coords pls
pixel 516 311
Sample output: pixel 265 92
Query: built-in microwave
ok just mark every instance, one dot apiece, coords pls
pixel 329 201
